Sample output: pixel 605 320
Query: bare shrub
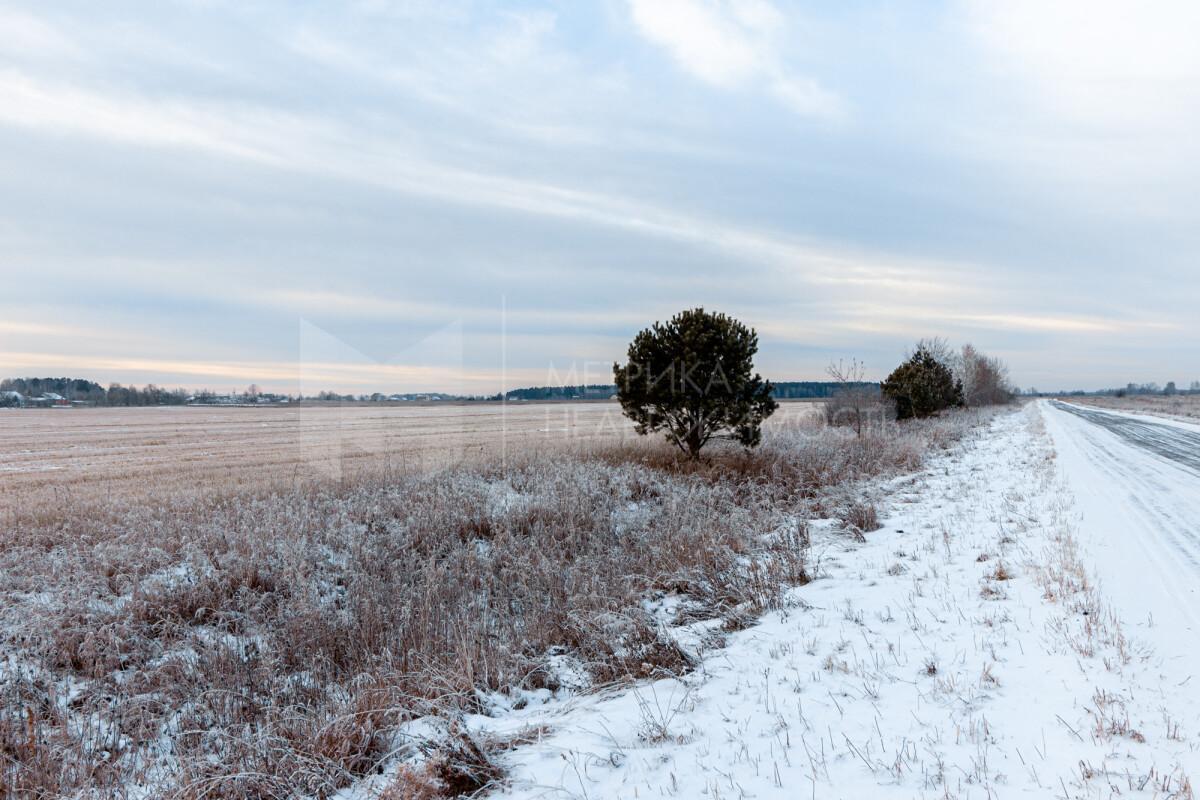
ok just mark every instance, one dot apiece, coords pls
pixel 862 517
pixel 855 403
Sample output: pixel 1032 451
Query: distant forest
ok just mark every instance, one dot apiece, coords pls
pixel 82 390
pixel 786 390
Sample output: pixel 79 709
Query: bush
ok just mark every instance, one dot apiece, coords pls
pixel 692 378
pixel 922 386
pixel 854 401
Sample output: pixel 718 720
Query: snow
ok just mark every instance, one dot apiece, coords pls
pixel 1139 517
pixel 963 651
pixel 1156 419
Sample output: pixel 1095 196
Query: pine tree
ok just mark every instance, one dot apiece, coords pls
pixel 693 378
pixel 922 386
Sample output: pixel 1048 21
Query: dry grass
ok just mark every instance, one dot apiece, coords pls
pixel 274 643
pixel 48 457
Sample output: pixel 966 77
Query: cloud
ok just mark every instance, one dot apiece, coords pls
pixel 55 106
pixel 1106 90
pixel 298 143
pixel 1108 61
pixel 183 187
pixel 345 374
pixel 28 36
pixel 732 44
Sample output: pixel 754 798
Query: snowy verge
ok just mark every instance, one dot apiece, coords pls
pixel 962 651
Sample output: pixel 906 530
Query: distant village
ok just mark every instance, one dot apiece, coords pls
pixel 78 392
pixel 10 398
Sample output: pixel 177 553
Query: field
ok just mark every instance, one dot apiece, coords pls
pixel 346 571
pixel 169 451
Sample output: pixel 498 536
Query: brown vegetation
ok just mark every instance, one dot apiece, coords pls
pixel 238 643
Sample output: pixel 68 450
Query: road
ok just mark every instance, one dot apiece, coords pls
pixel 1136 483
pixel 1173 442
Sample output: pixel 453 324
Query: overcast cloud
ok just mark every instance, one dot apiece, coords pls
pixel 436 195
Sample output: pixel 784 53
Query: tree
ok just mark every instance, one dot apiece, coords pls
pixel 1170 389
pixel 984 378
pixel 692 378
pixel 922 385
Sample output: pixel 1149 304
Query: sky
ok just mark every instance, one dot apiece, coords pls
pixel 416 195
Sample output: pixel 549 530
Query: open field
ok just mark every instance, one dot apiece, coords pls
pixel 292 640
pixel 167 451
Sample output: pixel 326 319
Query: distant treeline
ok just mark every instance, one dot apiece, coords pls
pixel 803 390
pixel 86 391
pixel 1123 391
pixel 81 390
pixel 786 390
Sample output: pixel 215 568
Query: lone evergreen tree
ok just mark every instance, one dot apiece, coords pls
pixel 922 386
pixel 693 378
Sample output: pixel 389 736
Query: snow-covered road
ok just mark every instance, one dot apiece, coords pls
pixel 1175 441
pixel 1136 482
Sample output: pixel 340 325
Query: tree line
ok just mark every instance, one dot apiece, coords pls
pixel 86 391
pixel 782 390
pixel 92 393
pixel 693 379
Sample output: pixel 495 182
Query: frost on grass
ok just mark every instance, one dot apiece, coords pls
pixel 961 651
pixel 294 642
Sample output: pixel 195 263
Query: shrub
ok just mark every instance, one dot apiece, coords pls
pixel 692 378
pixel 854 402
pixel 922 386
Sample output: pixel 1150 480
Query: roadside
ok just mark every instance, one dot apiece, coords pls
pixel 962 651
pixel 1138 511
pixel 1177 406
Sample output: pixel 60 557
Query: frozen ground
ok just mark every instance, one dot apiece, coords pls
pixel 1024 625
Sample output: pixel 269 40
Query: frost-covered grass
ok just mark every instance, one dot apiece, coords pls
pixel 288 643
pixel 966 649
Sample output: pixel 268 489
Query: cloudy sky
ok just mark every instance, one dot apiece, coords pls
pixel 421 194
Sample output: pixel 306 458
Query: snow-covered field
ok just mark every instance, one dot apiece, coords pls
pixel 1024 625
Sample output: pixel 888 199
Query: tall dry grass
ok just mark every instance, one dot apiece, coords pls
pixel 283 643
